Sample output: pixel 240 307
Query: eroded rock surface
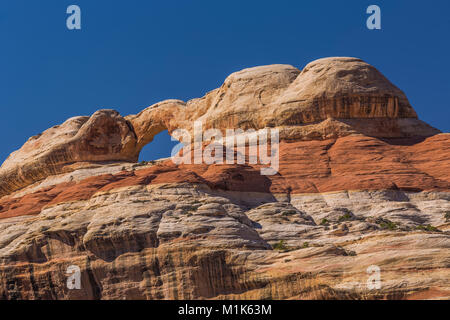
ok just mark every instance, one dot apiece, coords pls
pixel 361 182
pixel 329 98
pixel 105 136
pixel 188 241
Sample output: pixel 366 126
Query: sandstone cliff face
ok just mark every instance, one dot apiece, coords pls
pixel 330 98
pixel 341 88
pixel 361 182
pixel 105 136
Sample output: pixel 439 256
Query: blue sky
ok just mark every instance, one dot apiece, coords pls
pixel 131 54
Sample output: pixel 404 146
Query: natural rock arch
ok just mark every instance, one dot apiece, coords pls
pixel 329 98
pixel 164 115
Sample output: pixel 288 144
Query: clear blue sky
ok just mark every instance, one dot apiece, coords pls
pixel 131 54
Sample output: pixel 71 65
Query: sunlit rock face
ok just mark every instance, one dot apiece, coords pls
pixel 362 182
pixel 105 136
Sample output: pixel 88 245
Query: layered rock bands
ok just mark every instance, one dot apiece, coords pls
pixel 362 185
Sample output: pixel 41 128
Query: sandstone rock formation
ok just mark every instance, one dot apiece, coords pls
pixel 330 98
pixel 348 94
pixel 361 182
pixel 105 136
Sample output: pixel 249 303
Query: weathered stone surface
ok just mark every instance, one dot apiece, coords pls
pixel 168 114
pixel 348 163
pixel 184 241
pixel 105 136
pixel 361 182
pixel 330 98
pixel 344 88
pixel 217 230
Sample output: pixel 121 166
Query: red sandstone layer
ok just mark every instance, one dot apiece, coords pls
pixel 347 163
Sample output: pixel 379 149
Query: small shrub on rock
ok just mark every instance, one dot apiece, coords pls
pixel 280 246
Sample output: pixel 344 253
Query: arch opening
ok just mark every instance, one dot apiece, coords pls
pixel 160 147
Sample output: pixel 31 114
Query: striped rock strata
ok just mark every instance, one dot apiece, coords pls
pixel 361 183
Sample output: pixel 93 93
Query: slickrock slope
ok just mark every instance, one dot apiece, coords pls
pixel 361 182
pixel 105 136
pixel 330 98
